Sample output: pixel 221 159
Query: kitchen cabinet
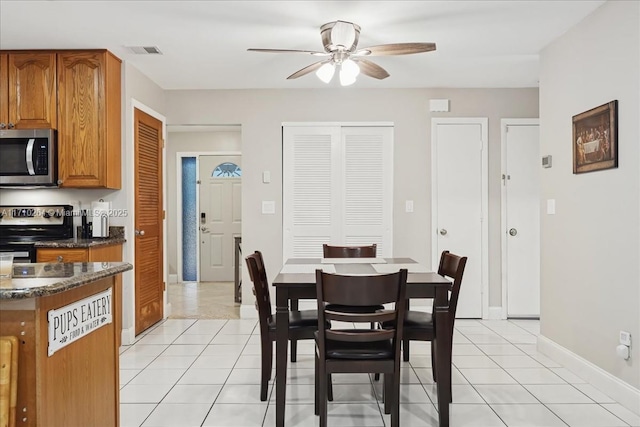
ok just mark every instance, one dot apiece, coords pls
pixel 108 253
pixel 89 112
pixel 28 96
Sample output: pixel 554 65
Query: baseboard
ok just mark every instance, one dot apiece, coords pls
pixel 167 310
pixel 248 311
pixel 495 313
pixel 128 336
pixel 623 393
pixel 173 278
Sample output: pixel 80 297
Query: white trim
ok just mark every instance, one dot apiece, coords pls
pixel 173 278
pixel 435 257
pixel 620 391
pixel 135 104
pixel 503 202
pixel 495 313
pixel 128 336
pixel 339 124
pixel 179 156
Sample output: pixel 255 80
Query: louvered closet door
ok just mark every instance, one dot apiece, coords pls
pixel 310 174
pixel 149 286
pixel 337 188
pixel 367 160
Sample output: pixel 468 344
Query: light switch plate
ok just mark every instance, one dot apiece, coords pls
pixel 551 206
pixel 268 207
pixel 266 177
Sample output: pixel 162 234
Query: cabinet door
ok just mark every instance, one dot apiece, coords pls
pixel 4 90
pixel 62 255
pixel 32 90
pixel 89 131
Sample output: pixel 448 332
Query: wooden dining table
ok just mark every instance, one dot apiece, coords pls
pixel 297 280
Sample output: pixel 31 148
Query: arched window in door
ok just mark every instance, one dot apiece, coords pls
pixel 227 170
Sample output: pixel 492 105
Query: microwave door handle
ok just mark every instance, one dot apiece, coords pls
pixel 29 156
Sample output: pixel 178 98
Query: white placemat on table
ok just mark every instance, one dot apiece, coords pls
pixel 353 261
pixel 394 268
pixel 306 268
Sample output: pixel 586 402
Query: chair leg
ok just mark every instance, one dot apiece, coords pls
pixel 322 393
pixel 395 397
pixel 433 361
pixel 294 350
pixel 405 349
pixel 387 393
pixel 265 375
pixel 317 387
pixel 329 388
pixel 376 376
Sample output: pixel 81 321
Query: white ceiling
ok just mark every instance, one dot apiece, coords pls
pixel 204 43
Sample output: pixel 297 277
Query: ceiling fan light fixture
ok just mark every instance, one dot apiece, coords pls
pixel 347 75
pixel 325 73
pixel 349 66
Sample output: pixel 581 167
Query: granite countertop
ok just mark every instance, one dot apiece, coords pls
pixel 80 243
pixel 43 279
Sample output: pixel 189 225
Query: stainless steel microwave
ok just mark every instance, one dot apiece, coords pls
pixel 28 157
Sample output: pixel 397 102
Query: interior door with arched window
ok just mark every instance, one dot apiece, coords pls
pixel 220 216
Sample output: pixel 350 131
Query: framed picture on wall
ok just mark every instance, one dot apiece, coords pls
pixel 595 139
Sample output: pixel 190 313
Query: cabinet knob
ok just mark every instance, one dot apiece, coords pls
pixel 2 126
pixel 11 125
pixel 60 258
pixel 139 232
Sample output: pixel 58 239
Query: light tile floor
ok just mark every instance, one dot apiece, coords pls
pixel 190 372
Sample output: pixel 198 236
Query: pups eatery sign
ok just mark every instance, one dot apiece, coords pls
pixel 71 322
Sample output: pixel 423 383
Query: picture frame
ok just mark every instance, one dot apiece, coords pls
pixel 595 139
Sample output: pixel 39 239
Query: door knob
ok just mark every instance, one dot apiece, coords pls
pixel 204 229
pixel 513 232
pixel 139 232
pixel 443 231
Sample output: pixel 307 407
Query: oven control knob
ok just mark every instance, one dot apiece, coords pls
pixel 57 214
pixel 47 215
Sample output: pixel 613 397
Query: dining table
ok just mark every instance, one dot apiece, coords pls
pixel 297 280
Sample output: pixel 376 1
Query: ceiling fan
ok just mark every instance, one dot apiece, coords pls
pixel 340 40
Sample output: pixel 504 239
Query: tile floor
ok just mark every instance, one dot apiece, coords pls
pixel 195 372
pixel 203 300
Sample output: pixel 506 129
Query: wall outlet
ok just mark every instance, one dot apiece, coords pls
pixel 625 338
pixel 408 206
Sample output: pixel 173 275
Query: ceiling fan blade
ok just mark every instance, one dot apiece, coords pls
pixel 396 49
pixel 372 70
pixel 309 52
pixel 306 70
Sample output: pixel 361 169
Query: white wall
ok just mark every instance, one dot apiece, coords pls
pixel 205 139
pixel 261 113
pixel 590 250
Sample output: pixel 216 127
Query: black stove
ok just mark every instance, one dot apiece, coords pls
pixel 22 226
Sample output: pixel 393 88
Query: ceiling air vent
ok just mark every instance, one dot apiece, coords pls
pixel 145 50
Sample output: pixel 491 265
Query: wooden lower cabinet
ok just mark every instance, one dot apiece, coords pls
pixel 78 385
pixel 109 253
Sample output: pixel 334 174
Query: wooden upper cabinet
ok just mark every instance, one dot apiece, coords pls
pixel 28 90
pixel 89 129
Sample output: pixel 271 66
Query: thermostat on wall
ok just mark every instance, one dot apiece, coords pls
pixel 546 161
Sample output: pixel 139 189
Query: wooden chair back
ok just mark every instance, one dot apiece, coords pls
pixel 258 275
pixel 368 251
pixel 344 290
pixel 8 380
pixel 452 266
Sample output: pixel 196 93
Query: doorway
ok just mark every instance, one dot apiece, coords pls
pixel 520 218
pixel 459 204
pixel 206 195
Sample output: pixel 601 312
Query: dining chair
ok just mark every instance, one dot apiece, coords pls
pixel 360 350
pixel 367 251
pixel 419 325
pixel 332 251
pixel 302 324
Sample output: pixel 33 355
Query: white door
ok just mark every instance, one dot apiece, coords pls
pixel 459 196
pixel 521 222
pixel 337 187
pixel 220 215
